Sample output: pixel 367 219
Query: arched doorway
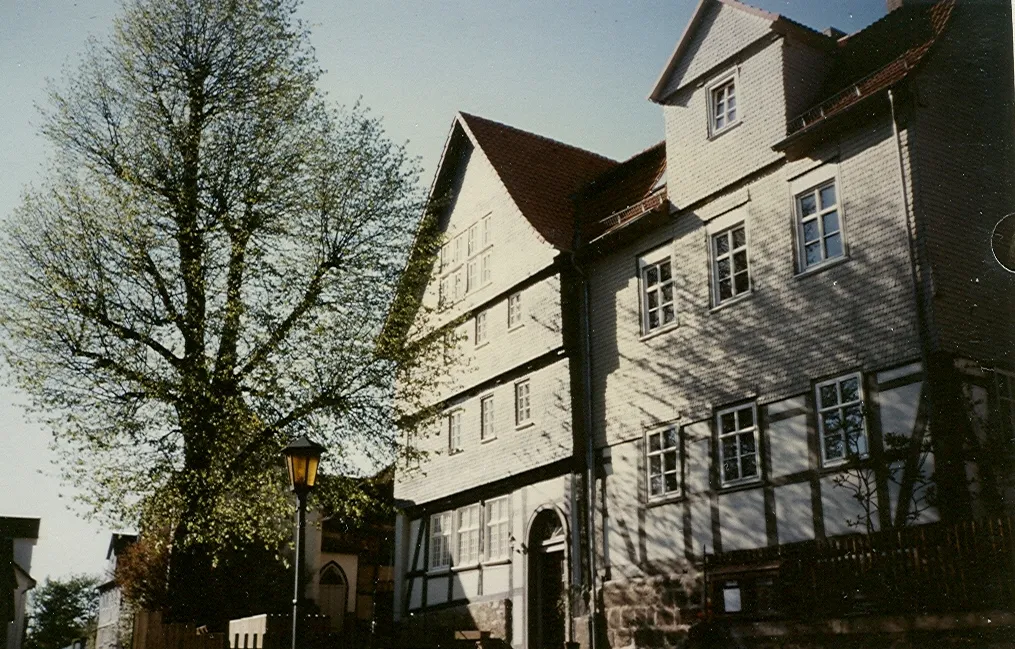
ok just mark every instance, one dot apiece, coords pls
pixel 547 595
pixel 333 592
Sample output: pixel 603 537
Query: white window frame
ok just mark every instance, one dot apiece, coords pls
pixel 487 428
pixel 501 525
pixel 455 431
pixel 472 240
pixel 840 406
pixel 732 250
pixel 443 292
pixel 657 261
pixel 807 185
pixel 514 304
pixel 467 550
pixel 440 540
pixel 456 249
pixel 465 267
pixel 457 283
pixel 471 275
pixel 481 327
pixel 730 78
pixel 523 403
pixel 487 230
pixel 659 456
pixel 737 433
pixel 485 269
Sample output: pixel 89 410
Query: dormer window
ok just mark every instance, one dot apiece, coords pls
pixel 722 104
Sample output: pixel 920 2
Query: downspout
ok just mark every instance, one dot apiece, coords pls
pixel 923 332
pixel 590 467
pixel 910 234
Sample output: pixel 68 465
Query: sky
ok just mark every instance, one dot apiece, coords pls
pixel 575 71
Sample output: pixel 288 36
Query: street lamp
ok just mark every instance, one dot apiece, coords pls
pixel 301 459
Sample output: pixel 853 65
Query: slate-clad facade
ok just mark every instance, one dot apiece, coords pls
pixel 781 325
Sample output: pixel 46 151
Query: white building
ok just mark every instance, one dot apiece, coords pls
pixel 780 326
pixel 114 625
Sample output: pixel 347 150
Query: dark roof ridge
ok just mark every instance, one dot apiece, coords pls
pixel 602 181
pixel 468 116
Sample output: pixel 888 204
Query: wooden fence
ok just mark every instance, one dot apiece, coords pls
pixel 150 632
pixel 929 568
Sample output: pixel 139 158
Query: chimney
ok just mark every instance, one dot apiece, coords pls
pixel 893 5
pixel 836 33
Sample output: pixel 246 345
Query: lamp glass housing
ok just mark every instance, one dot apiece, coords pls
pixel 302 458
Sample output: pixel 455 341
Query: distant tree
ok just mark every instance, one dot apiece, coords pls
pixel 61 611
pixel 206 273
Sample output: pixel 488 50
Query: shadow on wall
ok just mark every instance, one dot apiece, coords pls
pixel 789 330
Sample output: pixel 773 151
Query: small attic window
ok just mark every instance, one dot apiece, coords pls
pixel 723 109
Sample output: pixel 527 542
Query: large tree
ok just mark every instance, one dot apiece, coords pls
pixel 61 611
pixel 203 274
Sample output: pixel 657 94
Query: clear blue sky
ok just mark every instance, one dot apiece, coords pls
pixel 574 71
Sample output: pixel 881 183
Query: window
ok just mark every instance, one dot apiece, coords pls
pixel 443 295
pixel 663 453
pixel 514 310
pixel 465 262
pixel 730 274
pixel 472 244
pixel 457 279
pixel 722 102
pixel 840 419
pixel 455 431
pixel 738 445
pixel 497 529
pixel 657 295
pixel 820 225
pixel 485 274
pixel 440 540
pixel 522 410
pixel 471 275
pixel 486 430
pixel 480 327
pixel 467 542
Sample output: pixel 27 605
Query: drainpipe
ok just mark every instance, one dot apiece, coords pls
pixel 910 236
pixel 590 466
pixel 923 331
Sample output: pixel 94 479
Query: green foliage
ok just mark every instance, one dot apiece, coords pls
pixel 206 271
pixel 61 611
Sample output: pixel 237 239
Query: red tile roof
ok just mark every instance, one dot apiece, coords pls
pixel 876 58
pixel 624 193
pixel 541 175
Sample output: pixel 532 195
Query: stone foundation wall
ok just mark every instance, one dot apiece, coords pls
pixel 437 627
pixel 650 612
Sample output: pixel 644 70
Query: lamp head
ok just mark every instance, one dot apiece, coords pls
pixel 302 458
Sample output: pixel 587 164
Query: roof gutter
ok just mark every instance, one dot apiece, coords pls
pixel 816 126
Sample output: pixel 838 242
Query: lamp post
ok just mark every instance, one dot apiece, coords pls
pixel 301 459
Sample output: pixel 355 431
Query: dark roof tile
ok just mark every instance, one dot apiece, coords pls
pixel 540 174
pixel 876 58
pixel 619 195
